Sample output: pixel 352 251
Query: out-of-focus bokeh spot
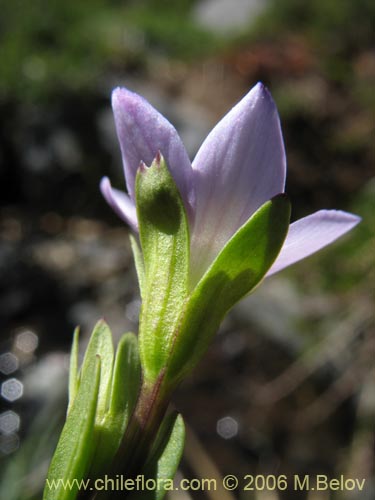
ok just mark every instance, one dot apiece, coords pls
pixel 11 389
pixel 26 341
pixel 9 422
pixel 9 443
pixel 227 427
pixel 8 363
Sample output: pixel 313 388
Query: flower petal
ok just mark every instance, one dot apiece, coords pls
pixel 120 203
pixel 240 166
pixel 142 132
pixel 308 235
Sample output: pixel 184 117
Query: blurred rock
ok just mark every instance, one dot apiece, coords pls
pixel 224 16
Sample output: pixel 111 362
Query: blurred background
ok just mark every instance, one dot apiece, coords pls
pixel 288 385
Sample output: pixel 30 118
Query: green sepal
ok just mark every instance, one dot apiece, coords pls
pixel 73 368
pixel 236 271
pixel 164 237
pixel 74 450
pixel 125 387
pixel 164 458
pixel 101 344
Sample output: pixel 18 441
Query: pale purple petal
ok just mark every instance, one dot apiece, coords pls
pixel 142 132
pixel 240 166
pixel 120 203
pixel 308 235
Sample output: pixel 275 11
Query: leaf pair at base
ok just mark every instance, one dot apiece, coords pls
pixel 103 394
pixel 102 397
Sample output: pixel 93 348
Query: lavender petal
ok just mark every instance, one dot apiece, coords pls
pixel 309 234
pixel 120 203
pixel 240 166
pixel 142 132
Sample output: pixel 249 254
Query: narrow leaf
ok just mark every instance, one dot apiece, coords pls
pixel 139 264
pixel 165 458
pixel 73 368
pixel 124 392
pixel 101 344
pixel 126 376
pixel 74 450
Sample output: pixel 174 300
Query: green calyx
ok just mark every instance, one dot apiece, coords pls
pixel 177 323
pixel 164 238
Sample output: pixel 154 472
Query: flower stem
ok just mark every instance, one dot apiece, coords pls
pixel 140 434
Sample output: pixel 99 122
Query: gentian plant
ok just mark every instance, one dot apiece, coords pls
pixel 206 234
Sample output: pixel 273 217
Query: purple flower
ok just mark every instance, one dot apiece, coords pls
pixel 240 166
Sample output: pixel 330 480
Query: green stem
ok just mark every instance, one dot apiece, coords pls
pixel 140 434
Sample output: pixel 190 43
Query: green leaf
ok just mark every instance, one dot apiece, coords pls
pixel 73 368
pixel 164 458
pixel 237 270
pixel 101 344
pixel 164 237
pixel 74 450
pixel 126 376
pixel 139 264
pixel 124 393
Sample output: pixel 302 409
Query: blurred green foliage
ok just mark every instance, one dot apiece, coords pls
pixel 168 28
pixel 338 25
pixel 338 30
pixel 49 45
